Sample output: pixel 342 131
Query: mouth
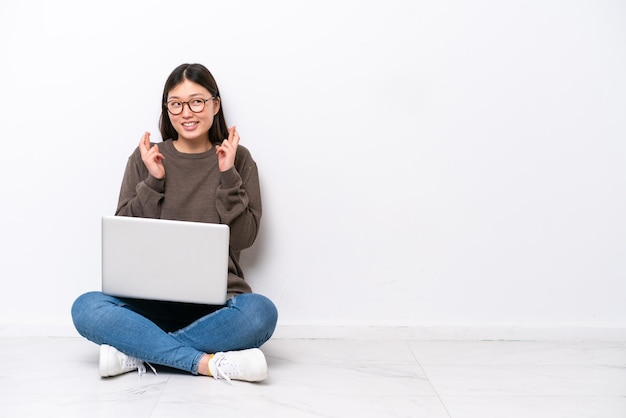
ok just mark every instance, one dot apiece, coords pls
pixel 189 126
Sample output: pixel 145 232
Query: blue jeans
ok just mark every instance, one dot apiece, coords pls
pixel 174 334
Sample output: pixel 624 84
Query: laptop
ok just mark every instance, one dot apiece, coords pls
pixel 157 259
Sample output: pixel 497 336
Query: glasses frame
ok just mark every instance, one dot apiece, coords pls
pixel 182 108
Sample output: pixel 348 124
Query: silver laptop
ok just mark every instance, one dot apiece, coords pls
pixel 167 260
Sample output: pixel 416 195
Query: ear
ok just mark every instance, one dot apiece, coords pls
pixel 216 108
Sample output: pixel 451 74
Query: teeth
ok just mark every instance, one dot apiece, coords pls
pixel 189 123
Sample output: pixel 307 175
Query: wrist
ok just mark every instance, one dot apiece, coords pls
pixel 156 184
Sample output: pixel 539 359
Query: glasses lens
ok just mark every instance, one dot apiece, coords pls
pixel 174 107
pixel 196 105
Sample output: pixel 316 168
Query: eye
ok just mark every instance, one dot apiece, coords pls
pixel 174 104
pixel 196 102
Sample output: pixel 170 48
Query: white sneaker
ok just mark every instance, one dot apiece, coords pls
pixel 248 365
pixel 114 362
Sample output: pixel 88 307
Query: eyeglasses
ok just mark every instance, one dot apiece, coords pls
pixel 196 105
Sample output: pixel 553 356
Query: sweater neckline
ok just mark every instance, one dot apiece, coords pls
pixel 169 144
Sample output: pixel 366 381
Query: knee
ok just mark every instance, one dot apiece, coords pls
pixel 261 314
pixel 84 306
pixel 266 311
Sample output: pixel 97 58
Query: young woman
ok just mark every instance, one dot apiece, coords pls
pixel 198 173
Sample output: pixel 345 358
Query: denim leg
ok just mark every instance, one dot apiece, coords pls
pixel 108 320
pixel 247 321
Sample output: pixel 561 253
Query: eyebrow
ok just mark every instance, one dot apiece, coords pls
pixel 190 96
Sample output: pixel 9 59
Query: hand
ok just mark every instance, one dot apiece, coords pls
pixel 227 151
pixel 151 157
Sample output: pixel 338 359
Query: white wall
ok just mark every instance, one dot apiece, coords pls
pixel 423 163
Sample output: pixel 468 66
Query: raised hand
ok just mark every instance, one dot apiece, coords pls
pixel 151 157
pixel 227 151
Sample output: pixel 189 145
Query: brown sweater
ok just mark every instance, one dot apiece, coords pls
pixel 194 190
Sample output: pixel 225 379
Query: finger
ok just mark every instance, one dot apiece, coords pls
pixel 142 146
pixel 235 141
pixel 225 144
pixel 158 154
pixel 233 136
pixel 159 157
pixel 144 142
pixel 231 132
pixel 154 154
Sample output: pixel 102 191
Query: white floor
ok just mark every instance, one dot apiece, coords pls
pixel 52 377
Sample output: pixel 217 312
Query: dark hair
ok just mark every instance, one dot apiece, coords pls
pixel 198 74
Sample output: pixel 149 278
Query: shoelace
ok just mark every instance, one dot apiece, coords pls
pixel 223 368
pixel 132 362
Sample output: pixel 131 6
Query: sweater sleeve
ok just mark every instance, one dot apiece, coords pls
pixel 238 201
pixel 141 194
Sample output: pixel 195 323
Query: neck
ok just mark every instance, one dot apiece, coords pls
pixel 192 147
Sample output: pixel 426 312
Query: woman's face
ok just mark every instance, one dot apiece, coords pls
pixel 191 125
